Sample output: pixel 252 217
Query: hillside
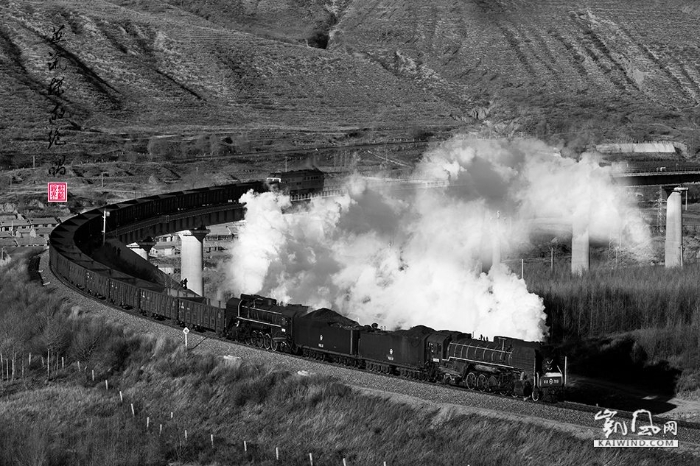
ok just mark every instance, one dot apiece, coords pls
pixel 131 74
pixel 606 69
pixel 301 73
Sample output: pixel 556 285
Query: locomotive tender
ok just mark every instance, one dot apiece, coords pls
pixel 506 365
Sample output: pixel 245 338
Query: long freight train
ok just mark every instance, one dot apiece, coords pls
pixel 506 365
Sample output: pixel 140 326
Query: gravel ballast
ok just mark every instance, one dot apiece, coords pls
pixel 578 422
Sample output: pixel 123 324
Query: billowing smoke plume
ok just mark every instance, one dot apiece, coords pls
pixel 406 257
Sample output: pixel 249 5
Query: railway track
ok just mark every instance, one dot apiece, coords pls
pixel 563 414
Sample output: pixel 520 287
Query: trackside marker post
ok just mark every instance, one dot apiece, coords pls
pixel 185 331
pixel 277 453
pixel 133 414
pixel 212 440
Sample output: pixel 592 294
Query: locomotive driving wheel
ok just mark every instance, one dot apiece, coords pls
pixel 535 394
pixel 471 380
pixel 492 384
pixel 267 341
pixel 274 345
pixel 481 382
pixel 258 339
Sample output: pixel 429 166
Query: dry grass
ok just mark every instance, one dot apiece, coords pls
pixel 75 420
pixel 657 308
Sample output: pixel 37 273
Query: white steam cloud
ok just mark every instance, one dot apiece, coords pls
pixel 403 258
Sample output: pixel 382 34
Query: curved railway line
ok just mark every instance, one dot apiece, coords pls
pixel 572 417
pixel 72 242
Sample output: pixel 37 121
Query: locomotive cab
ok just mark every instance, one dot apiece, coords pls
pixel 551 377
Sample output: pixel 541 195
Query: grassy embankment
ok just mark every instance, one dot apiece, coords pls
pixel 645 318
pixel 67 418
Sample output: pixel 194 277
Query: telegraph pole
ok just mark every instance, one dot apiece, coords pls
pixel 105 214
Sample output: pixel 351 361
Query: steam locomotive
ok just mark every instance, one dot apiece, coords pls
pixel 505 365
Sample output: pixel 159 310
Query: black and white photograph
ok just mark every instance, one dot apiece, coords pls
pixel 349 232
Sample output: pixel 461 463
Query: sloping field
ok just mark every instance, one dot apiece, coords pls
pixel 570 72
pixel 151 73
pixel 639 60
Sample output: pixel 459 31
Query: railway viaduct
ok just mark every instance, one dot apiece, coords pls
pixel 192 223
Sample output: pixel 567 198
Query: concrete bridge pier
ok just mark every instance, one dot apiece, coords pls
pixel 674 228
pixel 192 261
pixel 580 247
pixel 142 248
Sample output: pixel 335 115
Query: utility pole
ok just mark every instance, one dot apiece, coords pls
pixel 105 214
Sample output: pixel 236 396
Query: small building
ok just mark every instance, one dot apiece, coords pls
pixel 14 225
pixel 169 238
pixel 8 217
pixel 164 250
pixel 31 242
pixel 43 232
pixel 44 222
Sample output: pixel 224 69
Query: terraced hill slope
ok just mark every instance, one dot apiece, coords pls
pixel 619 66
pixel 263 73
pixel 130 73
